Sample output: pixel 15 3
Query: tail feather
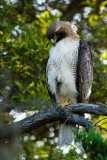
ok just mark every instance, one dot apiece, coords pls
pixel 66 135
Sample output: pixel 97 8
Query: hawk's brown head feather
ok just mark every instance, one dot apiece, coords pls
pixel 60 29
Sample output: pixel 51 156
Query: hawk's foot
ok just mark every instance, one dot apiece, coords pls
pixel 66 103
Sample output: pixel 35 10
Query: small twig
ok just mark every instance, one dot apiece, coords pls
pixel 102 128
pixel 99 121
pixel 68 117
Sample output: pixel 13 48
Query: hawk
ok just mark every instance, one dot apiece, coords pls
pixel 69 71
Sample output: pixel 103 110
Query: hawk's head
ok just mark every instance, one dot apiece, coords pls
pixel 59 30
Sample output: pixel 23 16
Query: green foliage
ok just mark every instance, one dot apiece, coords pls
pixel 89 146
pixel 92 27
pixel 72 154
pixel 92 144
pixel 24 52
pixel 99 85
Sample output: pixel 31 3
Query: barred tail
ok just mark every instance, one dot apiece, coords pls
pixel 66 135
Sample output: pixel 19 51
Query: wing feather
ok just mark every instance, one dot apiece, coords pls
pixel 84 72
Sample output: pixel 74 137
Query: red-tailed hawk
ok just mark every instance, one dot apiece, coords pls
pixel 69 71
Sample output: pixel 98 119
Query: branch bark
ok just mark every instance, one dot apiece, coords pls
pixel 89 108
pixel 44 116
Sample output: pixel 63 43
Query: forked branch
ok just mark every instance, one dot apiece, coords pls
pixel 69 113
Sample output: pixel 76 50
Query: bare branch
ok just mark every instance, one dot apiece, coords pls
pixel 102 128
pixel 44 116
pixel 99 121
pixel 89 108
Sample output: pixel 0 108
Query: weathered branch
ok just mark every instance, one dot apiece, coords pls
pixel 44 116
pixel 89 108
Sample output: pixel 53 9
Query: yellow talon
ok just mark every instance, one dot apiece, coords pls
pixel 65 104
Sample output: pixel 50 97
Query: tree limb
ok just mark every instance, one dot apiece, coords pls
pixel 89 108
pixel 44 116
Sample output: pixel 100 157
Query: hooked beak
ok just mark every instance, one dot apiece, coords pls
pixel 54 43
pixel 55 40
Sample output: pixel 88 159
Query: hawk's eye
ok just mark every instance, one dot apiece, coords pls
pixel 58 33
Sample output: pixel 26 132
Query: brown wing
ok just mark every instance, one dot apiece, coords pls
pixel 84 72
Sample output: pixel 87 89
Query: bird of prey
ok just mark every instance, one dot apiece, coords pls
pixel 69 71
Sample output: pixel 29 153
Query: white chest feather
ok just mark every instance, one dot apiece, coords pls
pixel 61 70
